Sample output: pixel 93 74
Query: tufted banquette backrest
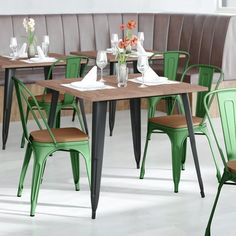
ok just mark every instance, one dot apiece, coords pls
pixel 203 36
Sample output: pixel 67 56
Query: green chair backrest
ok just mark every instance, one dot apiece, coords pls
pixel 22 94
pixel 226 99
pixel 172 61
pixel 73 70
pixel 204 75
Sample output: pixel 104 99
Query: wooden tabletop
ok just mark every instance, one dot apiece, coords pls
pixel 131 91
pixel 110 56
pixel 7 63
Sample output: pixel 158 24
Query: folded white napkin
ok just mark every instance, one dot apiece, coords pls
pixel 40 52
pixel 140 49
pixel 150 76
pixel 22 52
pixel 40 60
pixel 89 81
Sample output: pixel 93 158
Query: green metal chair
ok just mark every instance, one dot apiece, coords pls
pixel 174 62
pixel 75 67
pixel 226 99
pixel 175 126
pixel 45 141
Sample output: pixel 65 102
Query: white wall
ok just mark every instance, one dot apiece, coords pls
pixel 13 7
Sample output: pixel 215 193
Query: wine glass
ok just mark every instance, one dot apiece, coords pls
pixel 46 39
pixel 142 66
pixel 45 45
pixel 13 47
pixel 101 62
pixel 114 43
pixel 141 37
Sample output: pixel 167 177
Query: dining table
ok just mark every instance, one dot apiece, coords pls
pixel 112 61
pixel 9 66
pixel 100 98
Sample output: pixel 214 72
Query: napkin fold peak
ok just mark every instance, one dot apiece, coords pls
pixel 40 52
pixel 140 49
pixel 150 75
pixel 91 76
pixel 22 52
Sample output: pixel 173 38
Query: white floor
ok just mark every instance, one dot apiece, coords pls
pixel 128 205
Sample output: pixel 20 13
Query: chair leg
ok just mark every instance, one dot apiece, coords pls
pixel 208 228
pixel 152 103
pixel 87 158
pixel 85 152
pixel 74 111
pixel 80 118
pixel 218 174
pixel 23 136
pixel 44 166
pixel 40 158
pixel 180 104
pixel 170 103
pixel 74 157
pixel 24 169
pixel 142 171
pixel 177 149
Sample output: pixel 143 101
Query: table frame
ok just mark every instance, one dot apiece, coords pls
pixel 10 67
pixel 99 108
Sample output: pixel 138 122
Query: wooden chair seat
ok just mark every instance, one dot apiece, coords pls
pixel 47 98
pixel 232 166
pixel 61 135
pixel 174 121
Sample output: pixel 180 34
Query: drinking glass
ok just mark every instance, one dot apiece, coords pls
pixel 45 45
pixel 101 62
pixel 141 37
pixel 142 66
pixel 114 43
pixel 13 47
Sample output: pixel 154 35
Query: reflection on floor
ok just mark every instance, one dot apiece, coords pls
pixel 128 205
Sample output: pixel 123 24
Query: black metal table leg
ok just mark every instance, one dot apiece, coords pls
pixel 135 67
pixel 112 115
pixel 53 108
pixel 192 140
pixel 135 114
pixel 112 67
pixel 47 76
pixel 7 103
pixel 82 110
pixel 46 70
pixel 98 134
pixel 112 105
pixel 82 71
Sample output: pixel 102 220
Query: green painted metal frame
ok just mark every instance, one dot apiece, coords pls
pixel 42 151
pixel 74 69
pixel 172 61
pixel 178 136
pixel 226 99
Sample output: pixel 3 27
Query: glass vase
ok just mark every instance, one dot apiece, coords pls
pixel 31 51
pixel 122 74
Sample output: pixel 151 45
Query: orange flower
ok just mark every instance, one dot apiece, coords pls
pixel 121 44
pixel 126 41
pixel 122 26
pixel 131 24
pixel 134 40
